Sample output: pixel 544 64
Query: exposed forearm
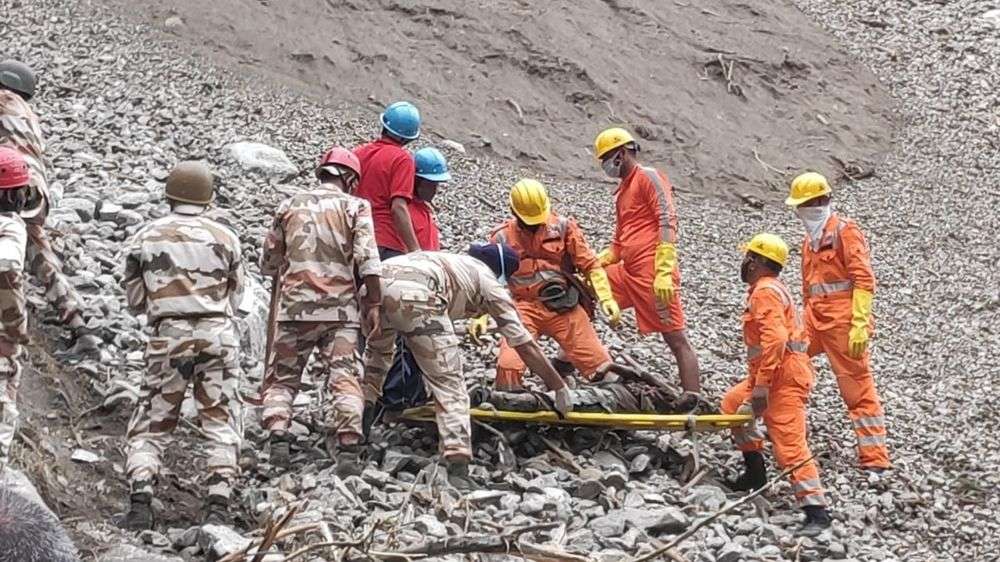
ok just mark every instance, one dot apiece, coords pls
pixel 404 226
pixel 373 290
pixel 533 357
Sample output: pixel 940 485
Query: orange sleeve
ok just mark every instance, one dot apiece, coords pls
pixel 805 268
pixel 584 258
pixel 857 257
pixel 767 310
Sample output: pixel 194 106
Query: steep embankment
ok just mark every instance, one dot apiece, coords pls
pixel 723 93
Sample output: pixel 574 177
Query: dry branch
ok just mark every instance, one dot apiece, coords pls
pixel 694 528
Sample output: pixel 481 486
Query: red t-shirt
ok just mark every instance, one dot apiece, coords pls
pixel 425 225
pixel 387 172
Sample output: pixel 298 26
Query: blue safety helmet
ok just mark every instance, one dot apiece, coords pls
pixel 431 165
pixel 402 120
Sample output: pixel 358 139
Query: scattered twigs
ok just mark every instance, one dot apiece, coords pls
pixel 271 532
pixel 701 523
pixel 510 542
pixel 562 455
pixel 765 164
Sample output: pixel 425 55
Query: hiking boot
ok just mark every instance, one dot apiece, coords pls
pixel 216 511
pixel 140 513
pixel 348 458
pixel 458 476
pixel 281 450
pixel 754 475
pixel 817 520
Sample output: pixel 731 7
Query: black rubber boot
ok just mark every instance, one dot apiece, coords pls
pixel 458 476
pixel 754 475
pixel 140 513
pixel 817 520
pixel 281 450
pixel 216 511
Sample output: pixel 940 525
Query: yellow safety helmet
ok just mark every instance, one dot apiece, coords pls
pixel 809 185
pixel 530 202
pixel 771 246
pixel 610 139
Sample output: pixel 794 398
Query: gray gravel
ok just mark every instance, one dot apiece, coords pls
pixel 119 111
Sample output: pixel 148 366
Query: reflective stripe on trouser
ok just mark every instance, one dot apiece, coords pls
pixel 10 380
pixel 860 395
pixel 412 309
pixel 340 361
pixel 785 419
pixel 572 330
pixel 203 352
pixel 43 263
pixel 795 346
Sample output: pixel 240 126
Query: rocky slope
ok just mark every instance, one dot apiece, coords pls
pixel 720 91
pixel 120 109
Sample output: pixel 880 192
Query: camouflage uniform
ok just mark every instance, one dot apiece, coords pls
pixel 318 240
pixel 13 323
pixel 184 272
pixel 422 293
pixel 19 129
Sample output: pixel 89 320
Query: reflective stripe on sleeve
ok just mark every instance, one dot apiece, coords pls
pixel 817 289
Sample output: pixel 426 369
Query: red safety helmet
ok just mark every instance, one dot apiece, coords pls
pixel 339 156
pixel 13 169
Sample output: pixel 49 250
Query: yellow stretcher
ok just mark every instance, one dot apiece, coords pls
pixel 662 422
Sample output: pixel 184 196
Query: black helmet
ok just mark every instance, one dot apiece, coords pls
pixel 18 77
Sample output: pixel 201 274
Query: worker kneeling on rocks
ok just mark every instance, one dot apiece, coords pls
pixel 838 285
pixel 549 298
pixel 422 293
pixel 184 272
pixel 779 381
pixel 14 178
pixel 318 240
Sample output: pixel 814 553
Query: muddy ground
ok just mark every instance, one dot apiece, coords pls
pixel 730 96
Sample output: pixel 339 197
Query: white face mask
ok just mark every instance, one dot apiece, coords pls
pixel 814 219
pixel 612 168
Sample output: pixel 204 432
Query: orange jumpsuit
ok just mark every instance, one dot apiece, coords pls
pixel 645 216
pixel 831 269
pixel 776 352
pixel 552 252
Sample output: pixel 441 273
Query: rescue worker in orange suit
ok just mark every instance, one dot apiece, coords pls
pixel 779 381
pixel 545 291
pixel 838 285
pixel 642 259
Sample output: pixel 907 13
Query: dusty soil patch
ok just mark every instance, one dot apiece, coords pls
pixel 731 96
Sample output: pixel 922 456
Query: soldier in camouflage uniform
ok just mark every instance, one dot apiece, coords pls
pixel 422 293
pixel 184 272
pixel 318 240
pixel 19 129
pixel 14 179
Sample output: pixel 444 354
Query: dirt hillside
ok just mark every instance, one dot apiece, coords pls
pixel 728 95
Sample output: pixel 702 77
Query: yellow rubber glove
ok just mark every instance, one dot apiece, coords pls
pixel 602 288
pixel 861 312
pixel 478 327
pixel 663 282
pixel 606 257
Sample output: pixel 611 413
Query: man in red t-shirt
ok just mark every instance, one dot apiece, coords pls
pixel 432 171
pixel 387 179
